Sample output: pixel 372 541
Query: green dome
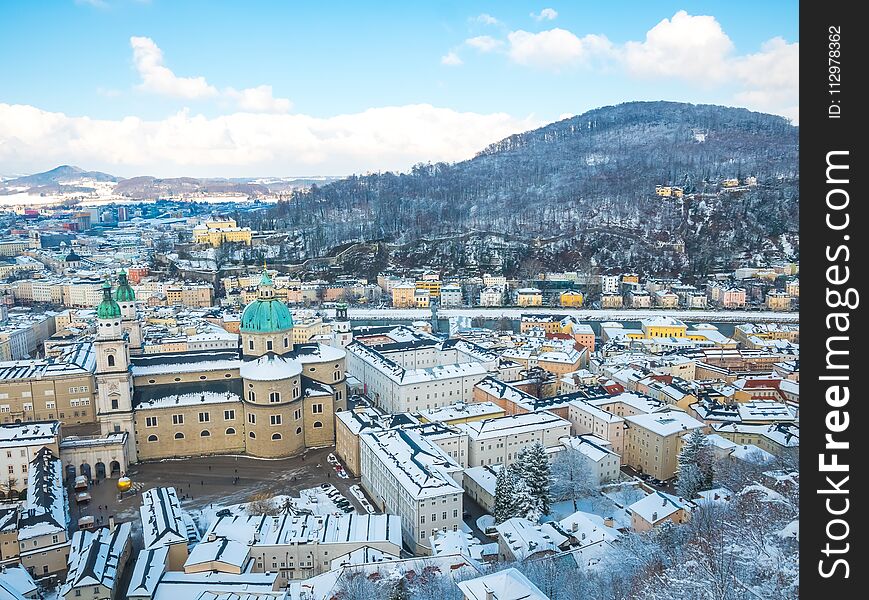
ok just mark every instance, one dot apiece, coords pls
pixel 266 316
pixel 108 308
pixel 124 293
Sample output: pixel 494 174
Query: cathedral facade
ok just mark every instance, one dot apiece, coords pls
pixel 270 398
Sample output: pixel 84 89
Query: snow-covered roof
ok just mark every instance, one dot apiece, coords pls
pixel 217 586
pixel 38 433
pixel 513 425
pixel 461 542
pixel 399 374
pixel 657 506
pixel 164 522
pixel 46 510
pixel 587 528
pixel 77 359
pixel 417 464
pixel 16 578
pixel 508 584
pixel 461 410
pixel 486 477
pixel 94 557
pixel 306 529
pixel 783 434
pixel 221 550
pixel 148 571
pixel 525 538
pixel 589 446
pixel 270 367
pixel 194 398
pixel 665 423
pixel 193 366
pixel 361 556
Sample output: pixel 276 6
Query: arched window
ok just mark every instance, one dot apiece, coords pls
pixel 204 433
pixel 252 435
pixel 274 397
pixel 230 431
pixel 250 345
pixel 111 360
pixel 286 342
pixel 251 396
pixel 152 438
pixel 179 436
pixel 317 424
pixel 276 436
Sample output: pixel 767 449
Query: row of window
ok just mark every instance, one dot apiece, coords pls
pixel 229 431
pixel 229 415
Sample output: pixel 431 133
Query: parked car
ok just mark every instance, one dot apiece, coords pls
pixel 224 513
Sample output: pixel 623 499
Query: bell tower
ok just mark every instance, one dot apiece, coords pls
pixel 113 378
pixel 126 299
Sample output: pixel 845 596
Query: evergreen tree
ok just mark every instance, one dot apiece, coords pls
pixel 505 499
pixel 695 465
pixel 537 475
pixel 524 504
pixel 690 481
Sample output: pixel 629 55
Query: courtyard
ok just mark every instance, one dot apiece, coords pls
pixel 205 482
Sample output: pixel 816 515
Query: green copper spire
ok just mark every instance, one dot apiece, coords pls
pixel 108 308
pixel 125 292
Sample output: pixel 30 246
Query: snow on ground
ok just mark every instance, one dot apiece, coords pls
pixel 316 500
pixel 691 316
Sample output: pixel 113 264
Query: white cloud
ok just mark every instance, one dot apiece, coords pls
pixel 240 144
pixel 547 14
pixel 486 19
pixel 451 59
pixel 484 43
pixel 685 46
pixel 259 99
pixel 159 79
pixel 554 48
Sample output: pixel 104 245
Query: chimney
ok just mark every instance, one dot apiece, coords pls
pixel 654 517
pixel 112 523
pixel 608 521
pixel 490 595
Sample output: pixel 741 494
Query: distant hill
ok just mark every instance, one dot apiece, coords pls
pixel 152 187
pixel 64 174
pixel 578 183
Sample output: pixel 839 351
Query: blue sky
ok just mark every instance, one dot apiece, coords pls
pixel 182 87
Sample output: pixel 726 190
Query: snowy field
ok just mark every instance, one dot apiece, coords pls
pixel 625 314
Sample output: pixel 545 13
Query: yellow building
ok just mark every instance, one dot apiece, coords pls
pixel 404 295
pixel 433 287
pixel 571 299
pixel 653 441
pixel 529 297
pixel 664 327
pixel 778 301
pixel 216 233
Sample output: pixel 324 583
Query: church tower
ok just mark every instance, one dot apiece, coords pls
pixel 341 332
pixel 126 299
pixel 113 378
